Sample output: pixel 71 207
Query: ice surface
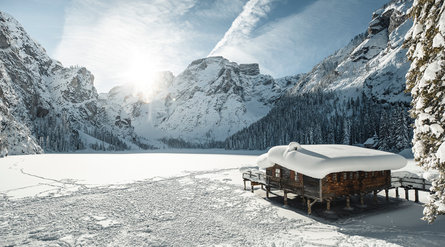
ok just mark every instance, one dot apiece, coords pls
pixel 319 160
pixel 22 176
pixel 204 206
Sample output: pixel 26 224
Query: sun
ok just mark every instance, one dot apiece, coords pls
pixel 140 73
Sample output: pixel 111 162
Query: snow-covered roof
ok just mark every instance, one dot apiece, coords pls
pixel 319 160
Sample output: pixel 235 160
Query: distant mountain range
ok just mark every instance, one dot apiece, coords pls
pixel 349 97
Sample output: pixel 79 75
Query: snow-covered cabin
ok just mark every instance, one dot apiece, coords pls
pixel 324 172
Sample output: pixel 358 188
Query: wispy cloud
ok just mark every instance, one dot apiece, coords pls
pixel 124 41
pixel 243 25
pixel 293 43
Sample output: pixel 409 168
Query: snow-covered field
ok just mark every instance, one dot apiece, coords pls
pixel 181 199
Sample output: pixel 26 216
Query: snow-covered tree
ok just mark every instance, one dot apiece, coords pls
pixel 426 82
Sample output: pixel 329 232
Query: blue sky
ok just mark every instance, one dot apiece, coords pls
pixel 127 41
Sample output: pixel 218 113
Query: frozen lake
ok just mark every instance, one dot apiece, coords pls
pixel 180 199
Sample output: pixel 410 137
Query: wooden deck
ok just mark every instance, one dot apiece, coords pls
pixel 256 177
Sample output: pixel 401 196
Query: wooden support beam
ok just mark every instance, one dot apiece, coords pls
pixel 375 196
pixel 285 198
pixel 407 194
pixel 328 205
pixel 387 194
pixel 348 202
pixel 309 211
pixel 303 199
pixel 244 184
pixel 362 201
pixel 309 205
pixel 267 192
pixel 397 192
pixel 416 195
pixel 251 186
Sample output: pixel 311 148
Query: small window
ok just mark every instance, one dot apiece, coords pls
pixel 366 175
pixel 383 173
pixel 277 172
pixel 357 175
pixel 334 177
pixel 351 175
pixel 372 174
pixel 345 175
pixel 297 179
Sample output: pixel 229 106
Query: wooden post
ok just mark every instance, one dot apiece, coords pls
pixel 303 200
pixel 262 187
pixel 267 191
pixel 406 194
pixel 285 198
pixel 416 195
pixel 397 192
pixel 387 194
pixel 362 201
pixel 244 184
pixel 328 205
pixel 375 196
pixel 251 186
pixel 348 202
pixel 309 211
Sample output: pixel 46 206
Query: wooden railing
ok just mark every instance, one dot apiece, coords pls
pixel 411 183
pixel 255 176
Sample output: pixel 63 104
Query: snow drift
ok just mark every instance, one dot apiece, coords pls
pixel 319 160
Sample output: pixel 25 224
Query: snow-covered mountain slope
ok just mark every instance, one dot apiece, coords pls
pixel 373 62
pixel 43 104
pixel 213 98
pixel 210 100
pixel 352 95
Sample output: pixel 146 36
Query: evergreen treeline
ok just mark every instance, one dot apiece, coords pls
pixel 320 117
pixel 55 134
pixel 180 143
pixel 109 142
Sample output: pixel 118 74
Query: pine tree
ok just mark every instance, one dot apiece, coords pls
pixel 426 82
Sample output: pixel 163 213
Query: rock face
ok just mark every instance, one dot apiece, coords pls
pixel 213 98
pixel 42 104
pixel 374 63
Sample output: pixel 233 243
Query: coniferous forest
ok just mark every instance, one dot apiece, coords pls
pixel 321 118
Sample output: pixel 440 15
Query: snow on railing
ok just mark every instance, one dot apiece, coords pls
pixel 411 183
pixel 255 176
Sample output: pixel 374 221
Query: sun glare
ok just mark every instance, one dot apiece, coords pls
pixel 141 74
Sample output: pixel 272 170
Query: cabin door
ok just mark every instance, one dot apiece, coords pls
pixel 311 186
